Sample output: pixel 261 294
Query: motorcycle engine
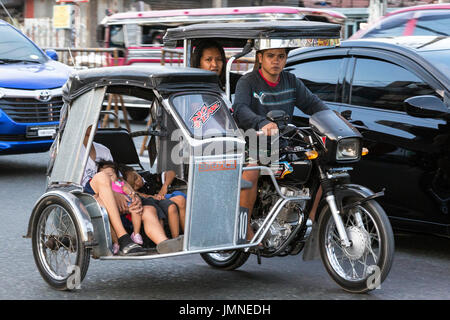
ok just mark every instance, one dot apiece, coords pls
pixel 288 218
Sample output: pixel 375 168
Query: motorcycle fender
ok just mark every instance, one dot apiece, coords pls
pixel 311 251
pixel 351 190
pixel 82 216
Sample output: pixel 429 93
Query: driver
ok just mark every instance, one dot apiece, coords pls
pixel 268 88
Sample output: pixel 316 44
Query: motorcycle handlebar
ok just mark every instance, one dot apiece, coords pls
pixel 287 129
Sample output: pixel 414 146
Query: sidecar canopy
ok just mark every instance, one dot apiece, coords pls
pixel 266 34
pixel 137 81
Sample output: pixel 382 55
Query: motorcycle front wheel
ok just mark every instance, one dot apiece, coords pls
pixel 366 263
pixel 226 260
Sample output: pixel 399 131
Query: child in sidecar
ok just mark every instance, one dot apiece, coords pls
pixel 120 186
pixel 153 191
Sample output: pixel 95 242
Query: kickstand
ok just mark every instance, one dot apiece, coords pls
pixel 258 255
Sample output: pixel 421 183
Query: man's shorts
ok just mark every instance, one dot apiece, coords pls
pixel 161 206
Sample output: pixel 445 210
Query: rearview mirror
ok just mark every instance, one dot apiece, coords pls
pixel 51 54
pixel 426 107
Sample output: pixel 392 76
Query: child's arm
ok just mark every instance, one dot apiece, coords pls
pixel 128 189
pixel 169 176
pixel 143 195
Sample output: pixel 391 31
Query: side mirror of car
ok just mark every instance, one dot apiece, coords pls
pixel 51 54
pixel 426 107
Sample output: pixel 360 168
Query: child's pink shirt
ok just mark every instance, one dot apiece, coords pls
pixel 117 186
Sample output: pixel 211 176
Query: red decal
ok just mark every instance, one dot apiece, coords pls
pixel 202 115
pixel 217 166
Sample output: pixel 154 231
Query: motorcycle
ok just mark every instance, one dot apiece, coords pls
pixel 191 122
pixel 350 229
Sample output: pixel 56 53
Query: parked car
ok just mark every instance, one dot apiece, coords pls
pixel 368 81
pixel 30 93
pixel 425 20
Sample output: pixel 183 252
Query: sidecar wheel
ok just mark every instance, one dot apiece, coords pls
pixel 226 260
pixel 58 251
pixel 366 263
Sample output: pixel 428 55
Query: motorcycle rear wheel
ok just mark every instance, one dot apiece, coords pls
pixel 366 263
pixel 226 260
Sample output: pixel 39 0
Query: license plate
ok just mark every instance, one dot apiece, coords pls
pixel 41 131
pixel 46 132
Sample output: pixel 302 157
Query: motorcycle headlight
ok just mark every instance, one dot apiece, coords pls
pixel 348 149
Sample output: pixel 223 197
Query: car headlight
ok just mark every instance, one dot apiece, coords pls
pixel 348 149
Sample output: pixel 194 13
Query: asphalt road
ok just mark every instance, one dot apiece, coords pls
pixel 421 268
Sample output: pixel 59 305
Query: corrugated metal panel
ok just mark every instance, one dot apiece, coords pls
pixel 174 4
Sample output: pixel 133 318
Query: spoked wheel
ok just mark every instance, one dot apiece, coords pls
pixel 366 263
pixel 58 251
pixel 226 260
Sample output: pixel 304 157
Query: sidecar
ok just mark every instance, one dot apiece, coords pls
pixel 193 133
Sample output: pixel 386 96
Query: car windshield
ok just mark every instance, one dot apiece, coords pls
pixel 14 47
pixel 440 59
pixel 413 23
pixel 204 114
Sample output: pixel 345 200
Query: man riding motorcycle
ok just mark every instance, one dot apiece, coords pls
pixel 268 88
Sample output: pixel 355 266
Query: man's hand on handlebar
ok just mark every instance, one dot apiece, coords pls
pixel 270 129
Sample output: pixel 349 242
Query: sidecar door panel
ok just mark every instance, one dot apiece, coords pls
pixel 214 201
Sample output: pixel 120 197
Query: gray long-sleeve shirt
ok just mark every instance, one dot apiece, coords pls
pixel 254 98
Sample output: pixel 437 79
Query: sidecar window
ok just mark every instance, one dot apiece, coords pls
pixel 205 115
pixel 83 112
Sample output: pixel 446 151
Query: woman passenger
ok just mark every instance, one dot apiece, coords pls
pixel 210 55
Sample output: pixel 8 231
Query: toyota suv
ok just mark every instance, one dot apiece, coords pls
pixel 30 93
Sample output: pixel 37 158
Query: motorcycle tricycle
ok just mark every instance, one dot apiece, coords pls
pixel 194 134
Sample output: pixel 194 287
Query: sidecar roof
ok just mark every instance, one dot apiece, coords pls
pixel 243 31
pixel 137 81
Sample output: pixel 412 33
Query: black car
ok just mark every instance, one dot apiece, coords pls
pixel 368 81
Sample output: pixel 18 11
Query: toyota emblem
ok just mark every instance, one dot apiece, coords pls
pixel 44 95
